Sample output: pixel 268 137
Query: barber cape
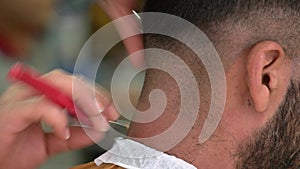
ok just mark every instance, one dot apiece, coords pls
pixel 129 154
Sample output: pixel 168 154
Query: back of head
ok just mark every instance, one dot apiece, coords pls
pixel 236 25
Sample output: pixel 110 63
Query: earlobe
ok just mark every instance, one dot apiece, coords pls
pixel 263 63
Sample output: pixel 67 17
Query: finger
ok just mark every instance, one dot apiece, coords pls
pixel 100 123
pixel 90 101
pixel 79 138
pixel 19 91
pixel 81 90
pixel 103 106
pixel 92 104
pixel 82 94
pixel 131 33
pixel 111 113
pixel 134 44
pixel 35 110
pixel 117 9
pixel 16 92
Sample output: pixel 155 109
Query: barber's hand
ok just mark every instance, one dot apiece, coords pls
pixel 116 9
pixel 24 144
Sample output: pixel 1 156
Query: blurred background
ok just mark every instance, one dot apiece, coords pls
pixel 49 34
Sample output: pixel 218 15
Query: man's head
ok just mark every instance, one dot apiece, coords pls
pixel 258 44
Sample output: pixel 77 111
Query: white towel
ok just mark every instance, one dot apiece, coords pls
pixel 133 155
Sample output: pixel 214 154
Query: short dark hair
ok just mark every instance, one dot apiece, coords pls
pixel 207 11
pixel 237 25
pixel 240 23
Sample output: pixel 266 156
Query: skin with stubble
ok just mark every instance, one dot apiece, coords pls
pixel 258 44
pixel 277 145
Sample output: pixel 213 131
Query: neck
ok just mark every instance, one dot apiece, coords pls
pixel 216 153
pixel 213 154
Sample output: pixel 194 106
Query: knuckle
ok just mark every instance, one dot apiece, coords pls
pixel 44 105
pixel 56 73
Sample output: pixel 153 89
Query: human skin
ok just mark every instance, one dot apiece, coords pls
pixel 116 9
pixel 24 108
pixel 24 143
pixel 251 102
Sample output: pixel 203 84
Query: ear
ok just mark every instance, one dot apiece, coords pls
pixel 263 64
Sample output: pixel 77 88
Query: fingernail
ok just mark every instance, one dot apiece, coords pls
pixel 100 108
pixel 67 134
